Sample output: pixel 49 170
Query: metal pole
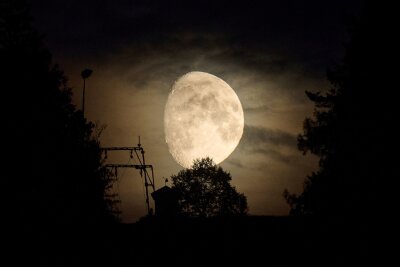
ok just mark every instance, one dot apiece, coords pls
pixel 83 97
pixel 144 174
pixel 85 74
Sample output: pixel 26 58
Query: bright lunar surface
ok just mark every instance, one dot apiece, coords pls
pixel 203 118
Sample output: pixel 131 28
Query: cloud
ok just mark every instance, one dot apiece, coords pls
pixel 236 162
pixel 275 154
pixel 257 137
pixel 273 144
pixel 257 109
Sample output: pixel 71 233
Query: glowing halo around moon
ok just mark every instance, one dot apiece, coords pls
pixel 203 117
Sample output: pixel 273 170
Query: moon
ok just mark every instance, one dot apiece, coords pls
pixel 203 117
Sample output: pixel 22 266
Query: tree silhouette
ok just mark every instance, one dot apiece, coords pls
pixel 53 152
pixel 349 132
pixel 205 191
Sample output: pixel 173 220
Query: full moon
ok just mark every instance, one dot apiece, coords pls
pixel 203 117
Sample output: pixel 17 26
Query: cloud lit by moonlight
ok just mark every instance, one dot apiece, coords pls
pixel 203 118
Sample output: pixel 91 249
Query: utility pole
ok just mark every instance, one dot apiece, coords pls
pixel 147 177
pixel 85 74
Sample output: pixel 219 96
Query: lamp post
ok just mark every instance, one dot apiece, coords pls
pixel 85 74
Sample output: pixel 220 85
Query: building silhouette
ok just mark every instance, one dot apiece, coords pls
pixel 166 202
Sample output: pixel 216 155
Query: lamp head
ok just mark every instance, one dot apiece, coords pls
pixel 86 73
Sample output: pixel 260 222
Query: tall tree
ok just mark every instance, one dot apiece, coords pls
pixel 205 191
pixel 350 131
pixel 55 173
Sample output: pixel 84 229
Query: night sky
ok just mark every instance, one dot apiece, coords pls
pixel 269 52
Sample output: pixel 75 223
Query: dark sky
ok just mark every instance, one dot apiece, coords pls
pixel 270 52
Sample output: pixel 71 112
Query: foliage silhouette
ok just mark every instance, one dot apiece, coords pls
pixel 205 191
pixel 62 179
pixel 349 132
pixel 55 184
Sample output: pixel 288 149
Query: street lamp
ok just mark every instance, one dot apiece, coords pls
pixel 85 74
